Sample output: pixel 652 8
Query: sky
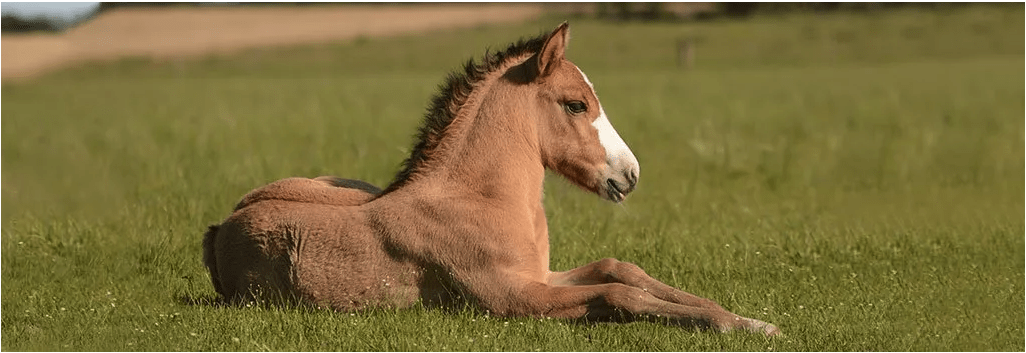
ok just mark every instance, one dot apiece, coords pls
pixel 65 10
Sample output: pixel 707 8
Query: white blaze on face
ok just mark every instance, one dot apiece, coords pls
pixel 618 155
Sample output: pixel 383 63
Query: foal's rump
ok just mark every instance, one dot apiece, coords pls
pixel 295 235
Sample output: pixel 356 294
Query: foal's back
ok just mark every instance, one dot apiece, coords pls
pixel 324 190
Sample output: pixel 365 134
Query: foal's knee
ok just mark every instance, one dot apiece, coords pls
pixel 631 268
pixel 606 269
pixel 625 272
pixel 614 270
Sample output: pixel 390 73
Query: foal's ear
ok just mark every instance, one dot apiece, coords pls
pixel 552 52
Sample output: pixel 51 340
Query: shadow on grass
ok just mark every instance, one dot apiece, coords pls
pixel 218 301
pixel 599 316
pixel 204 300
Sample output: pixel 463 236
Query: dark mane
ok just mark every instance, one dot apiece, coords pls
pixel 453 93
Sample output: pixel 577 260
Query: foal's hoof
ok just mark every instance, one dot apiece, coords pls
pixel 757 326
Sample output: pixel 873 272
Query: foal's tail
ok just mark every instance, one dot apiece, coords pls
pixel 209 258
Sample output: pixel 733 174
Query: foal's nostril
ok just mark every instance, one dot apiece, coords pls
pixel 632 179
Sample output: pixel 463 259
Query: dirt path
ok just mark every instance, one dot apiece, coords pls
pixel 181 32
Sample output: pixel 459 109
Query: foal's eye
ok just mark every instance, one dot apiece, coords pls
pixel 576 107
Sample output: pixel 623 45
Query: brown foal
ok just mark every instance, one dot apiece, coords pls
pixel 462 223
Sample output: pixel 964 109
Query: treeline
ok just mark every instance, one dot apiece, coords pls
pixel 706 11
pixel 12 24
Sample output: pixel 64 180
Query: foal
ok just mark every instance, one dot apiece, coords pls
pixel 463 222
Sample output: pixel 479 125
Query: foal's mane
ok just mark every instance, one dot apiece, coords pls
pixel 453 94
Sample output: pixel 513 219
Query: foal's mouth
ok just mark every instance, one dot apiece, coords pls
pixel 616 192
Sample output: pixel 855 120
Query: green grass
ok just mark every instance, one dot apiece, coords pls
pixel 854 179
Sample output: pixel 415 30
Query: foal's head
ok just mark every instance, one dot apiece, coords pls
pixel 575 136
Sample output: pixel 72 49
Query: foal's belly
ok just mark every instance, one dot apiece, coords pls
pixel 324 255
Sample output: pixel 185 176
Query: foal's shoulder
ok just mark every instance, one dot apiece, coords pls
pixel 325 190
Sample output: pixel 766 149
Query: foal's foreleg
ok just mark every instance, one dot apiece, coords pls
pixel 614 271
pixel 611 300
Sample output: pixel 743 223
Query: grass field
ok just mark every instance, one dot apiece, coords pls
pixel 855 179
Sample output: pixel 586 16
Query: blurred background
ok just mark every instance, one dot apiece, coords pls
pixel 40 36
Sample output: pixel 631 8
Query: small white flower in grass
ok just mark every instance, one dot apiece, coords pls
pixel 235 339
pixel 801 307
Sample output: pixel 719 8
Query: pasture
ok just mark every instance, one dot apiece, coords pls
pixel 855 179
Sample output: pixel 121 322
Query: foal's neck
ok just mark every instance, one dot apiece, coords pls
pixel 491 149
pixel 491 156
pixel 499 157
